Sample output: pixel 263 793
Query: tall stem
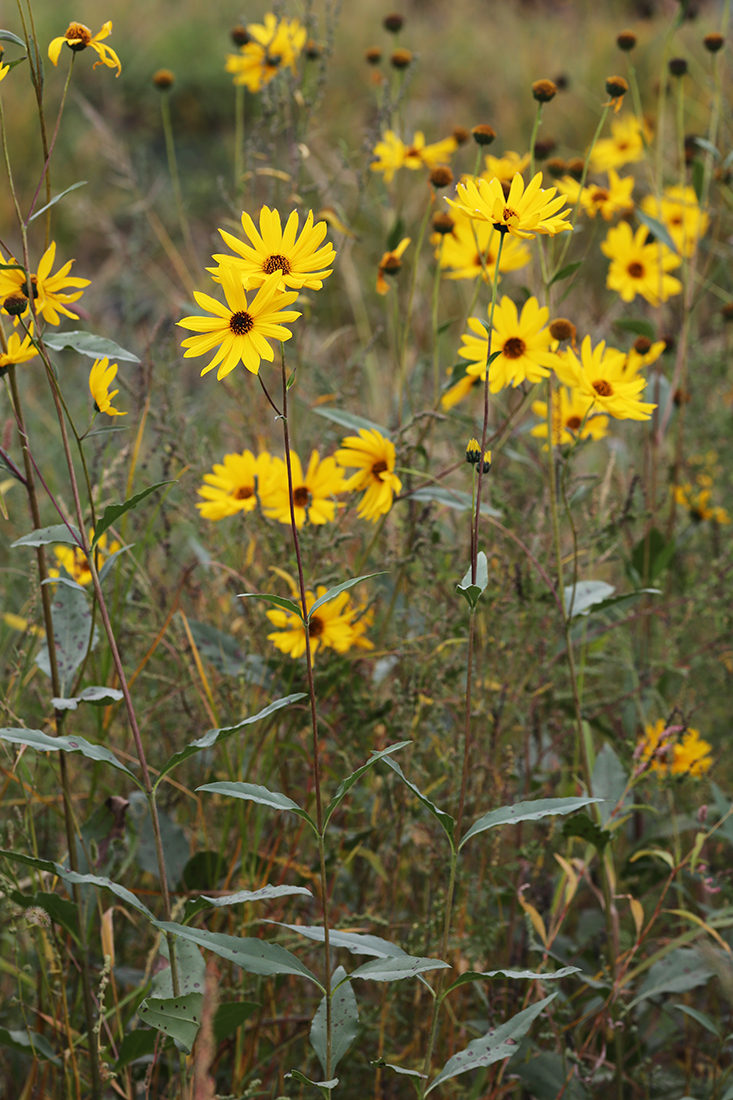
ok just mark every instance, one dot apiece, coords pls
pixel 170 147
pixel 401 378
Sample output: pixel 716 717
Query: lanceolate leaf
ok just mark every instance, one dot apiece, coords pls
pixel 8 36
pixel 453 498
pixel 349 420
pixel 178 1017
pixel 356 942
pixel 43 536
pixel 278 601
pixel 54 200
pixel 338 589
pixel 83 880
pixel 566 272
pixel 113 511
pixel 197 905
pixel 529 975
pixel 660 231
pixel 36 739
pixel 251 792
pixel 344 1021
pixel 396 968
pixel 99 696
pixel 527 811
pixel 28 1042
pixel 346 784
pixel 86 343
pixel 445 819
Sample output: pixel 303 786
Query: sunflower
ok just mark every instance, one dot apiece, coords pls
pixel 272 46
pixel 389 156
pixel 240 328
pixel 570 418
pixel 231 488
pixel 469 241
pixel 78 37
pixel 697 503
pixel 75 562
pixel 332 625
pixel 391 153
pixel 639 268
pixel 313 492
pixel 458 391
pixel 48 290
pixel 374 455
pixel 665 755
pixel 504 167
pixel 625 146
pixel 680 213
pixel 18 351
pixel 300 261
pixel 523 341
pixel 599 374
pixel 101 377
pixel 607 201
pixel 390 264
pixel 524 212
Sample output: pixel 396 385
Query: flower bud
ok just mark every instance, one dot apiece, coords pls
pixel 544 90
pixel 401 59
pixel 473 452
pixel 562 329
pixel 616 86
pixel 483 134
pixel 15 304
pixel 626 41
pixel 240 35
pixel 557 167
pixel 373 55
pixel 575 167
pixel 461 134
pixel 642 344
pixel 441 176
pixel 713 42
pixel 543 148
pixel 393 23
pixel 677 66
pixel 163 79
pixel 443 223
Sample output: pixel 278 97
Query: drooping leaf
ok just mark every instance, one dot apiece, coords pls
pixel 99 696
pixel 113 511
pixel 566 272
pixel 86 343
pixel 177 1017
pixel 515 975
pixel 681 970
pixel 526 811
pixel 198 905
pixel 277 601
pixel 338 589
pixel 110 562
pixel 470 591
pixel 8 36
pixel 252 792
pixel 72 627
pixel 54 200
pixel 44 536
pixel 42 742
pixel 301 1077
pixel 445 819
pixel 396 968
pixel 701 1018
pixel 660 231
pixel 28 1042
pixel 344 1021
pixel 381 1064
pixel 349 420
pixel 253 955
pixel 499 1043
pixel 356 942
pixel 452 498
pixel 230 1015
pixel 346 784
pixel 212 736
pixel 581 597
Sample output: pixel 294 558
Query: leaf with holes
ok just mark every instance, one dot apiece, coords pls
pixel 177 1017
pixel 253 955
pixel 344 1021
pixel 44 536
pixel 355 942
pixel 191 970
pixel 72 627
pixel 197 905
pixel 513 975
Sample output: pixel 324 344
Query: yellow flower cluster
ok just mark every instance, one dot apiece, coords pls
pixel 665 755
pixel 336 624
pixel 272 46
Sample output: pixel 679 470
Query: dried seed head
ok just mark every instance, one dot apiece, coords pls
pixel 616 86
pixel 642 344
pixel 562 329
pixel 240 36
pixel 670 342
pixel 544 90
pixel 561 82
pixel 626 41
pixel 15 304
pixel 681 397
pixel 312 50
pixel 393 23
pixel 36 915
pixel 543 148
pixel 441 176
pixel 373 55
pixel 713 42
pixel 461 134
pixel 691 148
pixel 677 66
pixel 443 223
pixel 401 59
pixel 163 79
pixel 557 167
pixel 575 167
pixel 727 312
pixel 483 134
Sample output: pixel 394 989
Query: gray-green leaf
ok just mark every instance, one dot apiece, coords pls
pixel 197 905
pixel 445 819
pixel 346 784
pixel 43 536
pixel 349 420
pixel 396 968
pixel 467 588
pixel 42 742
pixel 86 343
pixel 178 1017
pixel 99 696
pixel 344 1021
pixel 54 200
pixel 527 811
pixel 253 955
pixel 338 589
pixel 252 792
pixel 452 498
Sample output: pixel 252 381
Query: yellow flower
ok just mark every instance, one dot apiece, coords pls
pixel 504 167
pixel 680 213
pixel 697 503
pixel 241 328
pixel 231 487
pixel 625 146
pixel 313 492
pixel 599 374
pixel 75 562
pixel 101 377
pixel 78 37
pixel 692 756
pixel 374 455
pixel 570 416
pixel 17 622
pixel 332 625
pixel 48 290
pixel 666 756
pixel 4 70
pixel 523 340
pixel 608 201
pixel 390 264
pixel 639 268
pixel 524 212
pixel 273 45
pixel 18 352
pixel 458 391
pixel 299 260
pixel 461 254
pixel 391 153
pixel 642 354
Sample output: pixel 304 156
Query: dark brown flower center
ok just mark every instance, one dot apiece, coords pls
pixel 635 269
pixel 509 213
pixel 603 388
pixel 81 35
pixel 676 220
pixel 276 262
pixel 301 497
pixel 379 468
pixel 244 492
pixel 622 145
pixel 392 264
pixel 316 626
pixel 514 348
pixel 241 323
pixel 599 195
pixel 573 422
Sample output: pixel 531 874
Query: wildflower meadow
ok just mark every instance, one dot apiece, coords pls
pixel 366 477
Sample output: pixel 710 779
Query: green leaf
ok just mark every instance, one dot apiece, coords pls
pixel 355 942
pixel 251 792
pixel 278 601
pixel 526 811
pixel 586 829
pixel 499 1043
pixel 60 910
pixel 661 233
pixel 177 1017
pixel 301 1077
pixel 198 905
pixel 339 588
pixel 223 650
pixel 113 511
pixel 680 971
pixel 381 1064
pixel 230 1015
pixel 452 498
pixel 514 975
pixel 110 561
pixel 609 782
pixel 581 597
pixel 698 178
pixel 67 581
pixel 545 1076
pixel 471 592
pixel 636 325
pixel 27 1041
pixel 445 819
pixel 396 968
pixel 98 696
pixel 212 736
pixel 701 1018
pixel 54 200
pixel 42 742
pixel 710 148
pixel 8 36
pixel 136 1044
pixel 344 1021
pixel 349 420
pixel 43 536
pixel 346 784
pixel 86 343
pixel 191 970
pixel 253 955
pixel 566 272
pixel 446 325
pixel 658 556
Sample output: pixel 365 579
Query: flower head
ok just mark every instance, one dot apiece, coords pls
pixel 599 375
pixel 101 377
pixel 335 624
pixel 625 146
pixel 642 354
pixel 300 260
pixel 523 341
pixel 231 488
pixel 75 562
pixel 374 455
pixel 391 153
pixel 639 268
pixel 49 291
pixel 313 491
pixel 504 167
pixel 270 47
pixel 665 755
pixel 680 213
pixel 78 37
pixel 570 418
pixel 471 248
pixel 607 201
pixel 697 503
pixel 456 392
pixel 240 329
pixel 390 264
pixel 524 212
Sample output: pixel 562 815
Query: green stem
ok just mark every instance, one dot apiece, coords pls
pixel 408 315
pixel 238 137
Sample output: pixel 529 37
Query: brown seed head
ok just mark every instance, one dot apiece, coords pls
pixel 562 329
pixel 626 41
pixel 561 82
pixel 642 344
pixel 691 148
pixel 681 397
pixel 82 36
pixel 677 66
pixel 240 36
pixel 401 59
pixel 163 79
pixel 616 86
pixel 727 312
pixel 393 23
pixel 575 167
pixel 461 134
pixel 557 167
pixel 15 304
pixel 483 134
pixel 713 42
pixel 441 176
pixel 312 50
pixel 392 264
pixel 543 148
pixel 544 90
pixel 373 55
pixel 443 223
pixel 670 342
